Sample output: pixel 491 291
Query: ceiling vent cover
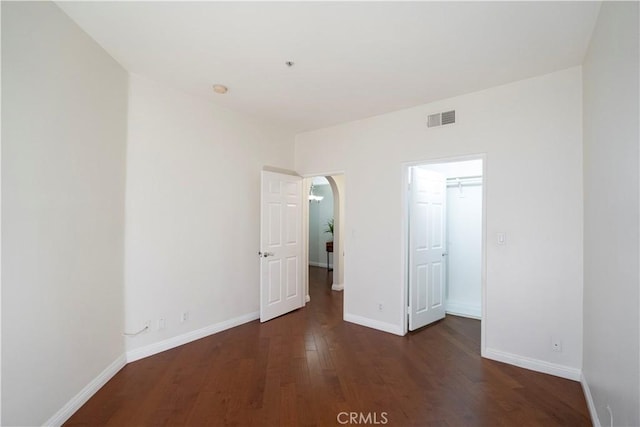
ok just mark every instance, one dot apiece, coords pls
pixel 439 119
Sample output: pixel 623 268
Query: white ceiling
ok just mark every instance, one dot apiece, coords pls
pixel 352 60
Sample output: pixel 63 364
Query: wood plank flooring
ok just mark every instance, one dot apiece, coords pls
pixel 309 368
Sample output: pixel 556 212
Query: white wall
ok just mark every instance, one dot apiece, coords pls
pixel 457 169
pixel 63 179
pixel 611 215
pixel 193 210
pixel 534 283
pixel 464 249
pixel 339 231
pixel 319 213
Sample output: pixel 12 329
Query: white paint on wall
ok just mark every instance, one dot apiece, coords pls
pixel 457 169
pixel 534 283
pixel 64 121
pixel 338 186
pixel 464 249
pixel 0 226
pixel 612 216
pixel 193 210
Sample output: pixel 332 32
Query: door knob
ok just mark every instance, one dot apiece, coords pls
pixel 265 254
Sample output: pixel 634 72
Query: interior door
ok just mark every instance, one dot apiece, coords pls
pixel 426 247
pixel 280 245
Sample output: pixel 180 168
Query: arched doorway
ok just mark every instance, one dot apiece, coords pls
pixel 316 215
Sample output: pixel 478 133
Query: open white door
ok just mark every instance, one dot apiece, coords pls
pixel 280 245
pixel 426 247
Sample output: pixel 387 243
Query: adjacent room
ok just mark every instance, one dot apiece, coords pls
pixel 320 213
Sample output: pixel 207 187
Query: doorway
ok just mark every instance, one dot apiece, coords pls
pixel 323 220
pixel 321 224
pixel 444 215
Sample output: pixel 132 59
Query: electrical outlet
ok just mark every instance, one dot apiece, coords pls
pixel 556 344
pixel 162 323
pixel 380 307
pixel 147 326
pixel 184 316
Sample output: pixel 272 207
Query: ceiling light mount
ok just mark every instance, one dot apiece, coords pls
pixel 289 64
pixel 221 89
pixel 313 197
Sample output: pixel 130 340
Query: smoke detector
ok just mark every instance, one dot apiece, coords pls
pixel 220 89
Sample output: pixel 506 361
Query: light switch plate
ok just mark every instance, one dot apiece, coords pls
pixel 502 238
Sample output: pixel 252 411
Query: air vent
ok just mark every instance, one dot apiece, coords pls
pixel 433 120
pixel 439 119
pixel 449 117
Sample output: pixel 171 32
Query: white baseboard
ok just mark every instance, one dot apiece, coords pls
pixel 155 348
pixel 534 364
pixel 320 264
pixel 85 394
pixel 337 287
pixel 459 314
pixel 590 404
pixel 375 324
pixel 463 309
pixel 307 298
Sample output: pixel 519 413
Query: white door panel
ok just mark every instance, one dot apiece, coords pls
pixel 280 245
pixel 426 247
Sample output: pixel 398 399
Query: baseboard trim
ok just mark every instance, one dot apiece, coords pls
pixel 158 347
pixel 534 364
pixel 320 264
pixel 374 324
pixel 337 287
pixel 459 314
pixel 86 393
pixel 462 309
pixel 590 404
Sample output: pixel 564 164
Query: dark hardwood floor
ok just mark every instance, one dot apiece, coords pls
pixel 308 367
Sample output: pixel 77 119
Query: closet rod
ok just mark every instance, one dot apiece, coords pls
pixel 466 181
pixel 464 177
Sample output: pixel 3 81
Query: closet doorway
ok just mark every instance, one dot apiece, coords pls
pixel 445 229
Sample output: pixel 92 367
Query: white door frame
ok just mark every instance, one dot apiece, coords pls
pixel 404 241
